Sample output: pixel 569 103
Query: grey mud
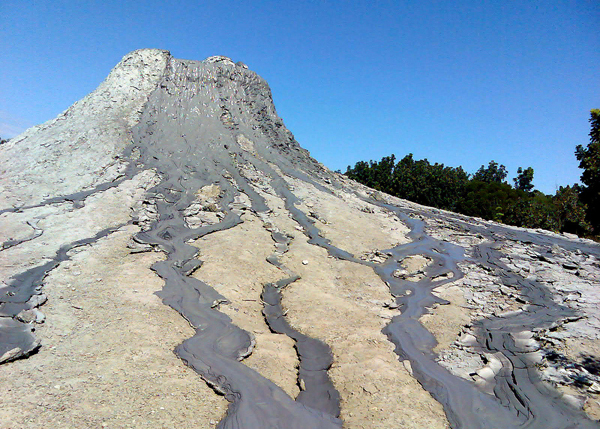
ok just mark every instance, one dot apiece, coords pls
pixel 203 125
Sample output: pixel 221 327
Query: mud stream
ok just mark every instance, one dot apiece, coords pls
pixel 210 123
pixel 188 135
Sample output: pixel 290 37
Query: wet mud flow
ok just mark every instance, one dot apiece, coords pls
pixel 515 396
pixel 519 399
pixel 187 134
pixel 209 125
pixel 317 390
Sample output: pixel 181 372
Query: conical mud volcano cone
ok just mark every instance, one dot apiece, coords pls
pixel 307 294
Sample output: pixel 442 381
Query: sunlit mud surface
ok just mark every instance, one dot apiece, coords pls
pixel 341 283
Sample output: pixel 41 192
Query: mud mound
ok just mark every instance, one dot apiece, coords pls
pixel 298 298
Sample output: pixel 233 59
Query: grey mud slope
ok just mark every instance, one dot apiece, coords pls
pixel 189 133
pixel 36 173
pixel 209 133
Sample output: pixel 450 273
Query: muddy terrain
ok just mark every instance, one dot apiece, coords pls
pixel 171 257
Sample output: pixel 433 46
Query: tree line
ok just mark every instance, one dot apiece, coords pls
pixel 486 193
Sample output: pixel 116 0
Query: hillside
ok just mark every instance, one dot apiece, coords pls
pixel 172 257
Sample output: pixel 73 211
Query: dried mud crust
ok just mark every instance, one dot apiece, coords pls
pixel 347 312
pixel 64 223
pixel 349 223
pixel 93 131
pixel 239 275
pixel 566 353
pixel 345 305
pixel 107 358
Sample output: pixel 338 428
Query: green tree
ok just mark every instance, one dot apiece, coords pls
pixel 589 161
pixel 488 200
pixel 361 172
pixel 429 184
pixel 570 211
pixel 383 172
pixel 524 179
pixel 493 173
pixel 487 195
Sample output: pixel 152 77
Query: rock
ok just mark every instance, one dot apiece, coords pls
pixel 370 388
pixel 391 304
pixel 400 273
pixel 576 401
pixel 26 316
pixel 37 300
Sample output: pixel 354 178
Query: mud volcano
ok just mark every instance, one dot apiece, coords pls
pixel 312 301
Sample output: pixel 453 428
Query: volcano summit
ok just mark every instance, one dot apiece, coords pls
pixel 171 210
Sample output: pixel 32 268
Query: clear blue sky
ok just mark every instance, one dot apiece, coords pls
pixel 456 82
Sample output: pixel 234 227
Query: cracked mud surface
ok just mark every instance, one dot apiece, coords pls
pixel 295 297
pixel 107 357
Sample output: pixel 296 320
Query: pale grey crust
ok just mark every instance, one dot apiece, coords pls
pixel 200 123
pixel 521 399
pixel 189 133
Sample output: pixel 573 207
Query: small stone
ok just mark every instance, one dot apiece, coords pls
pixel 400 273
pixel 39 316
pixel 37 300
pixel 10 355
pixel 305 262
pixel 370 388
pixel 594 388
pixel 569 266
pixel 26 316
